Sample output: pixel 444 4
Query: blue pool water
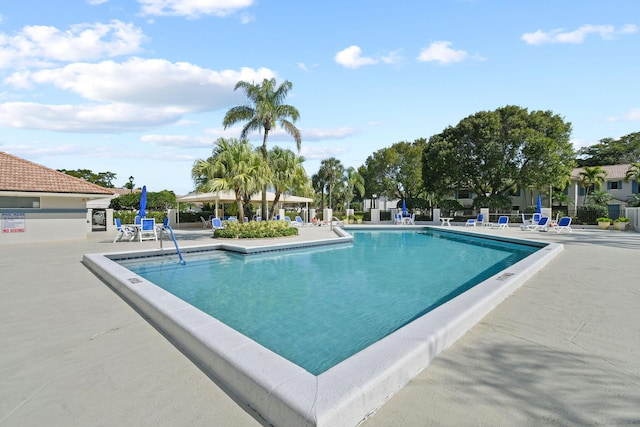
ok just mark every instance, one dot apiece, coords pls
pixel 317 307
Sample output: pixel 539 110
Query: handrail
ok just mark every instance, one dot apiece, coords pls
pixel 173 237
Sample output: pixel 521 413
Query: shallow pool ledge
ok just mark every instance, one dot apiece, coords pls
pixel 285 394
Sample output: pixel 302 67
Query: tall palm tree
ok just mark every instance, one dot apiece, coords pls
pixel 633 173
pixel 233 165
pixel 591 177
pixel 331 171
pixel 288 174
pixel 266 110
pixel 353 181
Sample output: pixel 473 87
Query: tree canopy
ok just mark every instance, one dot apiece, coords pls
pixel 494 152
pixel 103 179
pixel 610 151
pixel 267 110
pixel 396 171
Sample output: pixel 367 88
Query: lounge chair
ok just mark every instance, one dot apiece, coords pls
pixel 298 222
pixel 337 221
pixel 147 229
pixel 205 222
pixel 503 222
pixel 123 231
pixel 563 224
pixel 216 223
pixel 542 225
pixel 474 222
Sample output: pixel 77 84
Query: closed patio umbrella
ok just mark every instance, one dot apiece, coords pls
pixel 143 202
pixel 404 208
pixel 539 205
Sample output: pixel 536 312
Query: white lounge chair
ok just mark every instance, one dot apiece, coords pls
pixel 123 231
pixel 563 224
pixel 216 223
pixel 205 222
pixel 542 225
pixel 298 222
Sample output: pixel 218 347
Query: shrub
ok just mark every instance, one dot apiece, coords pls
pixel 255 230
pixel 622 219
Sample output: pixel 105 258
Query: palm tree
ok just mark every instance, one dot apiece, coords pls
pixel 233 165
pixel 331 170
pixel 633 173
pixel 591 177
pixel 288 174
pixel 353 181
pixel 266 111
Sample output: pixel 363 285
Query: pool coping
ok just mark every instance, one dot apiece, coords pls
pixel 280 391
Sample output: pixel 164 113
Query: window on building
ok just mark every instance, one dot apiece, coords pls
pixel 614 185
pixel 463 194
pixel 20 202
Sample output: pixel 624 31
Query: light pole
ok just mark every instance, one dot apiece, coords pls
pixel 373 205
pixel 131 184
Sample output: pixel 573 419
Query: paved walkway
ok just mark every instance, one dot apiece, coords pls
pixel 563 350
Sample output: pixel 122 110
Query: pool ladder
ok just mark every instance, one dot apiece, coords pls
pixel 175 242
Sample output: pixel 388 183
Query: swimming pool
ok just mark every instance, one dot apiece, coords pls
pixel 317 307
pixel 283 392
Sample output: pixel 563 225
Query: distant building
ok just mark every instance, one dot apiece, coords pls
pixel 41 204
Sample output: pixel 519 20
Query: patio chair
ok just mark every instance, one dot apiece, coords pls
pixel 216 223
pixel 205 222
pixel 563 224
pixel 337 221
pixel 397 218
pixel 503 222
pixel 298 222
pixel 147 229
pixel 123 231
pixel 542 225
pixel 473 222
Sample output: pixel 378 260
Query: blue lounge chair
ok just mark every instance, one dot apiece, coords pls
pixel 563 224
pixel 298 222
pixel 123 231
pixel 503 222
pixel 474 222
pixel 542 225
pixel 216 223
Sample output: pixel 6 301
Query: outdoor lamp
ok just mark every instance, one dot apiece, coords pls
pixel 131 183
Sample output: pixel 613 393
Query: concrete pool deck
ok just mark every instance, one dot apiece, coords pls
pixel 564 349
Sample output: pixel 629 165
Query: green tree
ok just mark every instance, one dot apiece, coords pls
pixel 396 171
pixel 330 173
pixel 353 182
pixel 233 166
pixel 288 174
pixel 633 173
pixel 590 178
pixel 493 152
pixel 267 109
pixel 103 179
pixel 610 151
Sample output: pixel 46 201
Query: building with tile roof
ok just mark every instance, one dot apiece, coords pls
pixel 38 203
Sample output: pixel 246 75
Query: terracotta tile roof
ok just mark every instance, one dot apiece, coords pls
pixel 614 172
pixel 17 174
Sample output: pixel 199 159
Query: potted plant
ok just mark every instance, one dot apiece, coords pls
pixel 604 222
pixel 358 218
pixel 621 223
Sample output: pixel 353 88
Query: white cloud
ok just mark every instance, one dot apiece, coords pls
pixel 316 152
pixel 156 83
pixel 633 115
pixel 606 32
pixel 322 134
pixel 83 118
pixel 351 58
pixel 440 51
pixel 40 45
pixel 192 8
pixel 96 2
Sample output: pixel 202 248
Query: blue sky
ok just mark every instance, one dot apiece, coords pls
pixel 140 87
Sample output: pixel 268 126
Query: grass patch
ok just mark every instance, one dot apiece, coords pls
pixel 255 230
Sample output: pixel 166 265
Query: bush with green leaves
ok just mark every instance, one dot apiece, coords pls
pixel 255 230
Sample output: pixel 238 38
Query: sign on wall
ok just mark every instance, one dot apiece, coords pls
pixel 13 223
